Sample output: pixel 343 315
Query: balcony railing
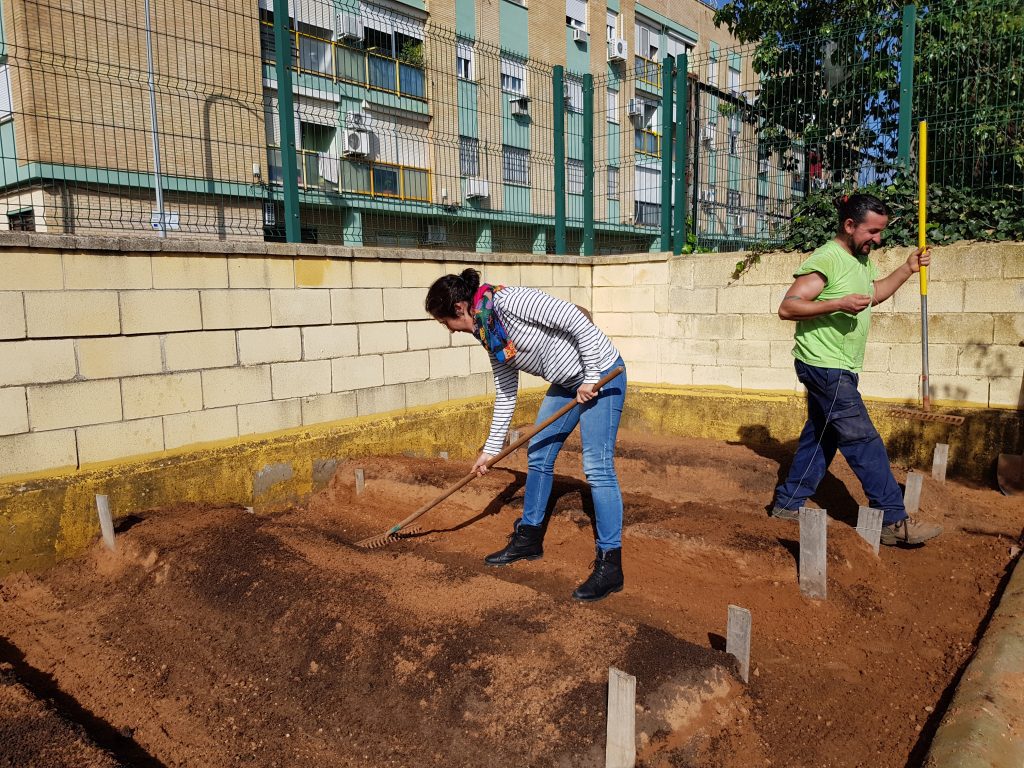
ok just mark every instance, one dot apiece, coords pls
pixel 327 173
pixel 647 142
pixel 648 72
pixel 340 62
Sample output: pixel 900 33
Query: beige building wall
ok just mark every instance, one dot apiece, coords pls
pixel 80 96
pixel 111 349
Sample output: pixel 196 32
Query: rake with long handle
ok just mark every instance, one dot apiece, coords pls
pixel 925 413
pixel 392 533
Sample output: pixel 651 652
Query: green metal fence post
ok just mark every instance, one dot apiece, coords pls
pixel 682 105
pixel 666 153
pixel 286 120
pixel 588 165
pixel 906 128
pixel 558 103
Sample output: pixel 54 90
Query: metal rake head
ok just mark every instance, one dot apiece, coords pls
pixel 910 413
pixel 388 537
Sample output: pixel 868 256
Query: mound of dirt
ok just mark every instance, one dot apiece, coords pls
pixel 217 637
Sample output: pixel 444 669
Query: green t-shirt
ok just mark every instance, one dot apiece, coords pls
pixel 838 339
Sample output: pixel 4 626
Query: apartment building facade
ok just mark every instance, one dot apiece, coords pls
pixel 415 125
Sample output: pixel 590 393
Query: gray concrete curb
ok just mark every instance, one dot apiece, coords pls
pixel 984 726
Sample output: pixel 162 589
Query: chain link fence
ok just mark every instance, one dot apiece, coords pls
pixel 378 128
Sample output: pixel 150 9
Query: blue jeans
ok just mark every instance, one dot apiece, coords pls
pixel 599 424
pixel 837 419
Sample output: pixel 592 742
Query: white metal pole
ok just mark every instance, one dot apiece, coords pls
pixel 154 129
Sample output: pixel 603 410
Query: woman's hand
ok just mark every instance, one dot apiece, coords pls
pixel 480 467
pixel 585 392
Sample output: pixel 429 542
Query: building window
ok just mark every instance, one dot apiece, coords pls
pixel 464 60
pixel 469 156
pixel 574 177
pixel 647 214
pixel 613 106
pixel 315 50
pixel 22 221
pixel 734 81
pixel 573 93
pixel 713 65
pixel 576 14
pixel 648 39
pixel 646 142
pixel 515 165
pixel 513 76
pixel 613 183
pixel 612 25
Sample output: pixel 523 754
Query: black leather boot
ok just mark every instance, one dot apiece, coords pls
pixel 606 578
pixel 524 543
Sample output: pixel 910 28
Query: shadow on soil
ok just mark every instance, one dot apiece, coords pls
pixel 105 736
pixel 831 494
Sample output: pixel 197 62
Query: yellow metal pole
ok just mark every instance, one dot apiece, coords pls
pixel 922 206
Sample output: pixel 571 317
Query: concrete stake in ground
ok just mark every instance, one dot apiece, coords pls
pixel 106 521
pixel 360 481
pixel 869 526
pixel 620 751
pixel 737 639
pixel 443 455
pixel 939 461
pixel 812 552
pixel 912 494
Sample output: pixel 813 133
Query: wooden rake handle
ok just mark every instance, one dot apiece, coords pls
pixel 510 449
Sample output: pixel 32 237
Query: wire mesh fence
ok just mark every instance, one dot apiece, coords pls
pixel 169 117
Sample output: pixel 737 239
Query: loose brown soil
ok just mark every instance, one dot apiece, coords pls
pixel 216 637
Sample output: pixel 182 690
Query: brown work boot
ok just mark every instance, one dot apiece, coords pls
pixel 909 531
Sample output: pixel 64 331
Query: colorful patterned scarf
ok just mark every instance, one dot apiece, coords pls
pixel 492 333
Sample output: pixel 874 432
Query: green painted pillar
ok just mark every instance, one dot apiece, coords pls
pixel 352 227
pixel 682 118
pixel 286 121
pixel 484 243
pixel 666 153
pixel 588 165
pixel 558 102
pixel 906 129
pixel 540 240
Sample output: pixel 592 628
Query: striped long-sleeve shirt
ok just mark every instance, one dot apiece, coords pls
pixel 554 340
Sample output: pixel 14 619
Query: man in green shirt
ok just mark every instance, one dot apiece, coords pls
pixel 831 300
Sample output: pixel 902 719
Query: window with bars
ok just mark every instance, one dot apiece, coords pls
pixel 515 165
pixel 574 177
pixel 469 156
pixel 647 214
pixel 22 221
pixel 513 76
pixel 464 59
pixel 613 183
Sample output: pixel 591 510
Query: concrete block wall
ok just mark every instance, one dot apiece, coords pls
pixel 119 348
pixel 684 320
pixel 116 348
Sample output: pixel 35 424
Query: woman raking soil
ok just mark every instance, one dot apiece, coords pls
pixel 524 329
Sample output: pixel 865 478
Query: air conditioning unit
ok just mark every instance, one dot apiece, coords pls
pixel 437 233
pixel 741 221
pixel 476 188
pixel 617 49
pixel 357 143
pixel 762 165
pixel 349 27
pixel 520 105
pixel 708 133
pixel 706 195
pixel 580 35
pixel 635 108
